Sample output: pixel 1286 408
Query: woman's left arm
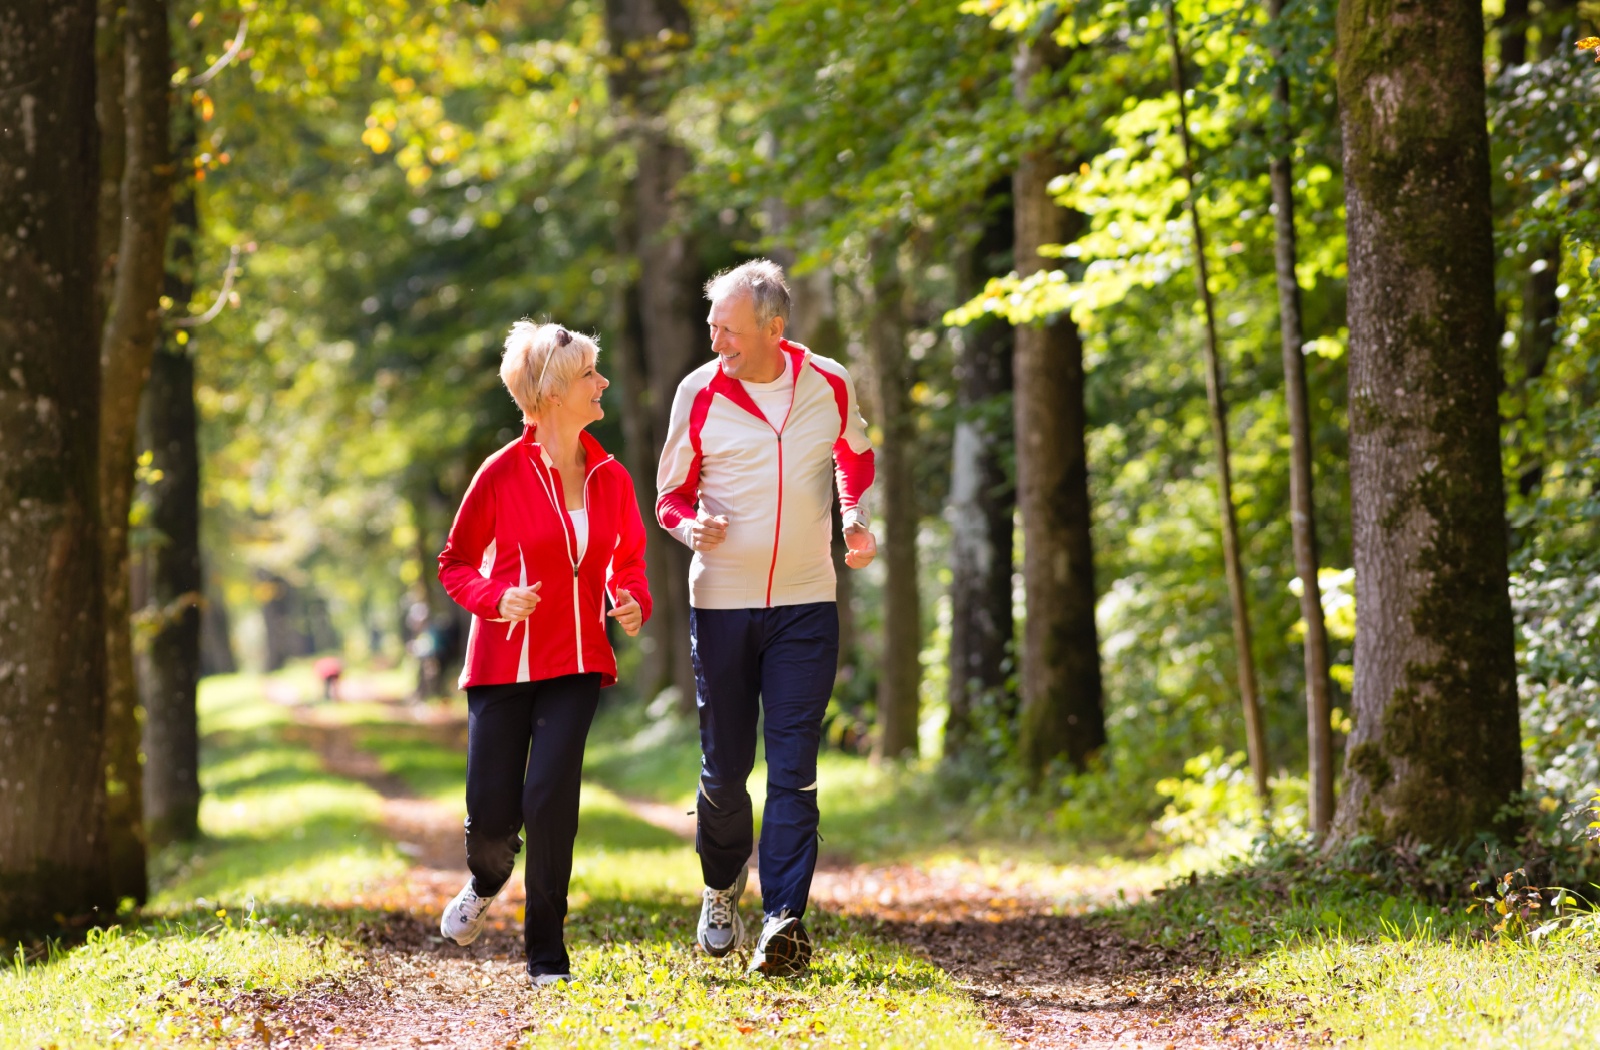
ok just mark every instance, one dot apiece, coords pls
pixel 627 560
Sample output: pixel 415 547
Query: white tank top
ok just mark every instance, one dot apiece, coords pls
pixel 580 525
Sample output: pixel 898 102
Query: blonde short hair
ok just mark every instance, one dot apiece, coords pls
pixel 540 360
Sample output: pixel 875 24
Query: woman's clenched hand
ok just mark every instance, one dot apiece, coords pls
pixel 627 613
pixel 517 603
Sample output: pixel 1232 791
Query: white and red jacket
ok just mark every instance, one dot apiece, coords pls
pixel 773 481
pixel 513 530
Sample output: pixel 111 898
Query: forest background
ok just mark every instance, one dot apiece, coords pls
pixel 364 196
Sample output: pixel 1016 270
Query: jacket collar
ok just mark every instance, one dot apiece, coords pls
pixel 594 453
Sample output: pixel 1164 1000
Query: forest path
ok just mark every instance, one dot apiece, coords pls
pixel 1042 979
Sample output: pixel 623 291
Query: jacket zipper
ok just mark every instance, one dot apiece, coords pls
pixel 569 538
pixel 777 525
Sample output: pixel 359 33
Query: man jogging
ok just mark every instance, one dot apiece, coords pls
pixel 757 438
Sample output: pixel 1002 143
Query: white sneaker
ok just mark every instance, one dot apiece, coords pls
pixel 465 915
pixel 720 930
pixel 547 980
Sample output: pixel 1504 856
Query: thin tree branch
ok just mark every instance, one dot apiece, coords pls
pixel 227 56
pixel 222 296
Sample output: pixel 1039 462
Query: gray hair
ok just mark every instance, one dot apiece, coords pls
pixel 762 280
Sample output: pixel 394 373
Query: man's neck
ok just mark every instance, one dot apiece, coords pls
pixel 773 372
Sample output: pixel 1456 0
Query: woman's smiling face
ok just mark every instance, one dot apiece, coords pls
pixel 580 402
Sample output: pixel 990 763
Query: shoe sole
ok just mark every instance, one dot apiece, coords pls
pixel 738 923
pixel 786 953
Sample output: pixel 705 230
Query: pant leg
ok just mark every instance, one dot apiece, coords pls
pixel 797 671
pixel 723 646
pixel 563 709
pixel 498 718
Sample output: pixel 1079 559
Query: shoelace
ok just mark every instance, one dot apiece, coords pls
pixel 473 905
pixel 721 902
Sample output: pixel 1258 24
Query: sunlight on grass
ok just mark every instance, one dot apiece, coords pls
pixel 276 827
pixel 165 983
pixel 1422 991
pixel 635 988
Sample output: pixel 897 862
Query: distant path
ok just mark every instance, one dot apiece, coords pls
pixel 1042 979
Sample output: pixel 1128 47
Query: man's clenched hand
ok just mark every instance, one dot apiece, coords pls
pixel 708 531
pixel 862 544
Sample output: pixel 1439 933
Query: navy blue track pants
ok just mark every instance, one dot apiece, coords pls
pixel 777 664
pixel 524 765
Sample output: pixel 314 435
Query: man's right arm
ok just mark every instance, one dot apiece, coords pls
pixel 678 475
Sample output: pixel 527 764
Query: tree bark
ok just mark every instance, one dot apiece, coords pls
pixel 1319 728
pixel 644 36
pixel 1435 750
pixel 169 664
pixel 896 503
pixel 132 324
pixel 982 497
pixel 1061 713
pixel 170 667
pixel 52 599
pixel 110 83
pixel 1255 730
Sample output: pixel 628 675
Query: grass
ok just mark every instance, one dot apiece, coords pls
pixel 242 910
pixel 271 897
pixel 1357 953
pixel 1415 988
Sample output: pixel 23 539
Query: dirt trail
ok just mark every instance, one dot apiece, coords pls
pixel 1043 979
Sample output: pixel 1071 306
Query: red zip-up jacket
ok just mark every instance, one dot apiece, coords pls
pixel 513 531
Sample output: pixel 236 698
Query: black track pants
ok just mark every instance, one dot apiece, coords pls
pixel 524 765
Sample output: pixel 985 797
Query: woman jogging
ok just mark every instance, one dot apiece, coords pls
pixel 548 530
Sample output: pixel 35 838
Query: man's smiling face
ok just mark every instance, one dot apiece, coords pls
pixel 748 350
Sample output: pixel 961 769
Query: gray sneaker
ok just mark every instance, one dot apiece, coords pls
pixel 784 949
pixel 721 930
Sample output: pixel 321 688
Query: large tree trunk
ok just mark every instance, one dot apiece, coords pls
pixel 982 498
pixel 641 34
pixel 1061 691
pixel 110 82
pixel 132 324
pixel 1319 729
pixel 895 496
pixel 1435 750
pixel 52 599
pixel 169 664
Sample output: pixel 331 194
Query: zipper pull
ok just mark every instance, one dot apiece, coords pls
pixel 574 572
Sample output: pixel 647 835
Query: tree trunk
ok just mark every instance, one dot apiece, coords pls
pixel 169 665
pixel 982 498
pixel 110 82
pixel 1319 729
pixel 1061 711
pixel 895 497
pixel 1513 32
pixel 816 314
pixel 1540 306
pixel 52 598
pixel 132 324
pixel 1255 731
pixel 170 668
pixel 672 332
pixel 1435 750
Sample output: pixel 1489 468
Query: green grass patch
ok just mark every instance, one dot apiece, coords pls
pixel 641 984
pixel 1412 988
pixel 1380 947
pixel 163 983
